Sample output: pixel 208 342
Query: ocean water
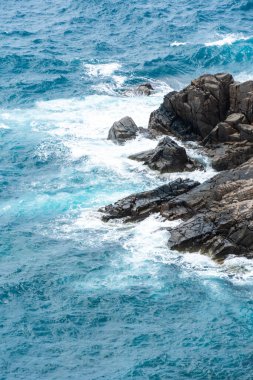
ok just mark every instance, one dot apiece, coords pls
pixel 83 299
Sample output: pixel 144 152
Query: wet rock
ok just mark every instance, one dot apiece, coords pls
pixel 139 206
pixel 122 130
pixel 218 215
pixel 167 157
pixel 144 89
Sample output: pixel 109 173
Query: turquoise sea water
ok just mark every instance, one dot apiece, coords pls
pixel 81 299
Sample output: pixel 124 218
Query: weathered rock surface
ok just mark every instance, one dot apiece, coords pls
pixel 218 215
pixel 227 131
pixel 241 98
pixel 139 206
pixel 204 103
pixel 122 130
pixel 230 155
pixel 168 156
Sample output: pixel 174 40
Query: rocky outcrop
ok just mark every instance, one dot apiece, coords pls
pixel 217 111
pixel 201 105
pixel 218 215
pixel 139 206
pixel 167 157
pixel 122 130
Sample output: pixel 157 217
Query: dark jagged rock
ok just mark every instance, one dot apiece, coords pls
pixel 144 89
pixel 217 110
pixel 167 157
pixel 218 215
pixel 139 206
pixel 200 106
pixel 122 130
pixel 164 121
pixel 204 103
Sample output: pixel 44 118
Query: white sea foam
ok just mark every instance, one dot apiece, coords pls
pixel 102 69
pixel 243 76
pixel 4 126
pixel 228 39
pixel 176 43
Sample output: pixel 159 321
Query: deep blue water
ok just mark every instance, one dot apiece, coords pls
pixel 81 299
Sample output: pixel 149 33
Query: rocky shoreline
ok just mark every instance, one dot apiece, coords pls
pixel 217 215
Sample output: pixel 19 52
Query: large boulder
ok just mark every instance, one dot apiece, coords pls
pixel 122 130
pixel 167 157
pixel 139 206
pixel 217 215
pixel 200 106
pixel 204 103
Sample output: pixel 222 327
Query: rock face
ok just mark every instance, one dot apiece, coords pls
pixel 168 156
pixel 241 98
pixel 122 130
pixel 218 215
pixel 164 121
pixel 139 206
pixel 230 155
pixel 204 103
pixel 200 106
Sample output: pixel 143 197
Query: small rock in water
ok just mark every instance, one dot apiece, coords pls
pixel 167 157
pixel 122 130
pixel 144 89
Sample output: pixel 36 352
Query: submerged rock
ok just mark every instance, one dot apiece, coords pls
pixel 122 130
pixel 139 206
pixel 144 89
pixel 167 157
